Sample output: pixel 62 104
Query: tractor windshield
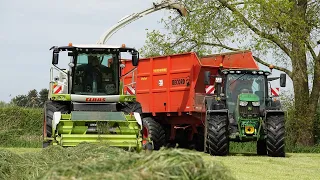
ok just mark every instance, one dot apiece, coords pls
pixel 96 74
pixel 244 83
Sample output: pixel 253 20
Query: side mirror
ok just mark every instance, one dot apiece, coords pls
pixel 135 59
pixel 207 75
pixel 283 78
pixel 55 58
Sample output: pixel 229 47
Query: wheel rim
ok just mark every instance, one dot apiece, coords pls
pixel 145 134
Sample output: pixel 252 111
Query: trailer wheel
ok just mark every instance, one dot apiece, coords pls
pixel 262 147
pixel 217 135
pixel 49 108
pixel 154 131
pixel 276 136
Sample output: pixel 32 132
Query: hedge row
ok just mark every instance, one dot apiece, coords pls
pixel 20 127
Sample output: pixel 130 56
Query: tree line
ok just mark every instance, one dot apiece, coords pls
pixel 33 99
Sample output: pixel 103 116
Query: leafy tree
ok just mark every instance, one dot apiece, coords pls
pixel 32 99
pixel 43 96
pixel 20 100
pixel 283 29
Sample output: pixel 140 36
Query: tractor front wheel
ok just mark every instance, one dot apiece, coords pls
pixel 276 136
pixel 154 131
pixel 217 135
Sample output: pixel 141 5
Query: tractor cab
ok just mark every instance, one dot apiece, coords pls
pixel 245 87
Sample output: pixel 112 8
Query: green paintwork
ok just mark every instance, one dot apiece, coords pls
pixel 92 115
pixel 114 128
pixel 127 98
pixel 60 97
pixel 248 97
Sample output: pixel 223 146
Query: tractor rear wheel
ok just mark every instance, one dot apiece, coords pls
pixel 49 108
pixel 262 147
pixel 276 136
pixel 154 131
pixel 217 135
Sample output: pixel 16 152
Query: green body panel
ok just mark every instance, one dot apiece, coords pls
pixel 60 97
pixel 127 98
pixel 114 128
pixel 248 97
pixel 243 122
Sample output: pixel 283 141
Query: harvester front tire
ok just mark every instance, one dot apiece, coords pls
pixel 155 132
pixel 276 136
pixel 217 135
pixel 49 108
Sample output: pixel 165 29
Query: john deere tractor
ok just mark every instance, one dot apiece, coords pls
pixel 86 103
pixel 242 110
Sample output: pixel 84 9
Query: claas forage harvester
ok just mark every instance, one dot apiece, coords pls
pixel 204 103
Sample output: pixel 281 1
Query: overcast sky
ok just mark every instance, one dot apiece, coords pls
pixel 29 28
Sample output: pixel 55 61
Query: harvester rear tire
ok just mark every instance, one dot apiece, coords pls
pixel 276 136
pixel 49 108
pixel 262 147
pixel 217 135
pixel 155 132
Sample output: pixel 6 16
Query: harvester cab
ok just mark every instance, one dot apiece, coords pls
pixel 85 102
pixel 242 110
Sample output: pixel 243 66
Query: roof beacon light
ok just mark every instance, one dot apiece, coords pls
pixel 221 65
pixel 70 44
pixel 123 46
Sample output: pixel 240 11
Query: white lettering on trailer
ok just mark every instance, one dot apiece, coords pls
pixel 160 82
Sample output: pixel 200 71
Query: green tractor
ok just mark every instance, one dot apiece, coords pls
pixel 242 110
pixel 86 103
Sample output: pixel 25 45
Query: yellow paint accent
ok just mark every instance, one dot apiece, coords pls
pixel 143 78
pixel 160 70
pixel 249 130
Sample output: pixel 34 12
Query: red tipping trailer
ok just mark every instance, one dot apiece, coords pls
pixel 171 91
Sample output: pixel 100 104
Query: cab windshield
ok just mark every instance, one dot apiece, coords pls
pixel 96 74
pixel 244 83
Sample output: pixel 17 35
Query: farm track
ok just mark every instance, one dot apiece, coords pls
pixel 304 166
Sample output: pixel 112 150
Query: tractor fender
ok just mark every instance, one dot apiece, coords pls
pixel 56 120
pixel 217 111
pixel 138 118
pixel 273 112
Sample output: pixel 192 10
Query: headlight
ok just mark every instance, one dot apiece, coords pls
pixel 218 79
pixel 243 103
pixel 257 103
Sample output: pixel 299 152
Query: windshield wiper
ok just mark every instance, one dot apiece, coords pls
pixel 237 79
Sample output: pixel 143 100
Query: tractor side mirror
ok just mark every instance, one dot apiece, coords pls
pixel 283 78
pixel 135 59
pixel 207 75
pixel 55 58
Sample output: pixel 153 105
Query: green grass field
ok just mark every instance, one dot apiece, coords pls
pixel 304 166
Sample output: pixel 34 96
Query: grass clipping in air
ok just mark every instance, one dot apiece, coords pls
pixel 88 161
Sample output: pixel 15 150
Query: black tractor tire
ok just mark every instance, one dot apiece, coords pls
pixel 155 132
pixel 49 108
pixel 217 135
pixel 275 135
pixel 262 147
